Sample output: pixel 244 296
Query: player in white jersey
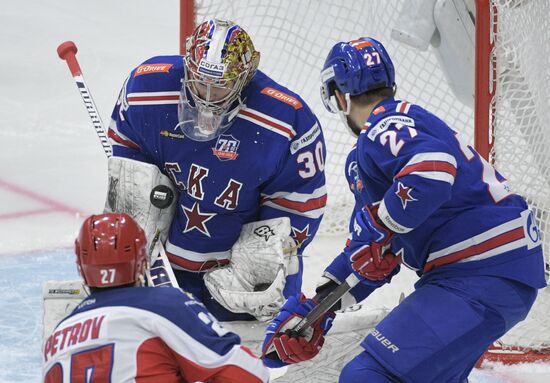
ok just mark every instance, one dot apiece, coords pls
pixel 124 332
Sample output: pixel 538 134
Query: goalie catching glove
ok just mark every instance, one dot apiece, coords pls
pixel 254 280
pixel 282 346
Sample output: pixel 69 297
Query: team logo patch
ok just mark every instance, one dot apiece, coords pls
pixel 287 99
pixel 226 147
pixel 531 229
pixel 404 194
pixel 152 68
pixel 177 136
pixel 307 138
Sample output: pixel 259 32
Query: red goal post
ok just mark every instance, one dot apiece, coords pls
pixel 509 74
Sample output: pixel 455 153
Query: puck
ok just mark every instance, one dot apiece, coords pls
pixel 161 196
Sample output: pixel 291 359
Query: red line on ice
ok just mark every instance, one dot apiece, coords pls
pixel 53 204
pixel 19 214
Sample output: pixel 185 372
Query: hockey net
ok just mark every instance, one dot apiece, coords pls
pixel 512 67
pixel 518 139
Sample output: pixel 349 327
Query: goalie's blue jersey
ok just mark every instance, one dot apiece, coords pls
pixel 269 163
pixel 451 210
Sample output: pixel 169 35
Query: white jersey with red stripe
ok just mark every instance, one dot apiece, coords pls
pixel 146 334
pixel 448 206
pixel 269 163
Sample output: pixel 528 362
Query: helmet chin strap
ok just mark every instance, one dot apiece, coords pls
pixel 343 114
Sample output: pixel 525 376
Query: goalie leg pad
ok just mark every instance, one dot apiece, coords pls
pixel 253 282
pixel 59 299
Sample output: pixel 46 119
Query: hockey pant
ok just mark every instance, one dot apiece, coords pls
pixel 438 333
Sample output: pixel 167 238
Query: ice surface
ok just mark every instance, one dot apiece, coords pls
pixel 21 279
pixel 53 170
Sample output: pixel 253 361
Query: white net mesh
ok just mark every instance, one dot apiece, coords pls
pixel 295 36
pixel 522 135
pixel 294 39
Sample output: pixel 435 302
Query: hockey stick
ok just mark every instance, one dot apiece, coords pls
pixel 67 51
pixel 325 305
pixel 160 272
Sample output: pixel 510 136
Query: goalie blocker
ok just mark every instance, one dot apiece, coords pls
pixel 143 192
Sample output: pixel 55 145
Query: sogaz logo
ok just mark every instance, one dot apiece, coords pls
pixel 211 69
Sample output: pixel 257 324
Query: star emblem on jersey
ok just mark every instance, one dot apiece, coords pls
pixel 301 235
pixel 404 194
pixel 196 219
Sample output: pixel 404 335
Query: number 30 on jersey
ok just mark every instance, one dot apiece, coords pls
pixel 312 161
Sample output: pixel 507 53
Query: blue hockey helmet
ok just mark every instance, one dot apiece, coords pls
pixel 355 67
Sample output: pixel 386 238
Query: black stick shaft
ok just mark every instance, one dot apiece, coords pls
pixel 326 304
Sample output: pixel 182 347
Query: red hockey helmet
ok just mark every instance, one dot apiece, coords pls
pixel 110 250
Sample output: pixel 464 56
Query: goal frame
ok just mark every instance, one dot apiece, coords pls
pixel 484 106
pixel 485 68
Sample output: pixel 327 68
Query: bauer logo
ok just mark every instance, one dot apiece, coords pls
pixel 385 342
pixel 226 148
pixel 287 99
pixel 152 68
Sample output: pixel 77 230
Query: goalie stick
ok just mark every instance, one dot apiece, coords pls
pixel 160 272
pixel 67 51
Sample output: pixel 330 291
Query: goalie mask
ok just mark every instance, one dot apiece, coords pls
pixel 110 250
pixel 220 61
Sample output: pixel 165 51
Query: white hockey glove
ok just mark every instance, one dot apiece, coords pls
pixel 254 280
pixel 143 192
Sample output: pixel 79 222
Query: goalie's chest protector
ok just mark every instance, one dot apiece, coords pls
pixel 220 181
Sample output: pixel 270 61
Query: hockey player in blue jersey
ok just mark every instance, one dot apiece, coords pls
pixel 239 148
pixel 427 199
